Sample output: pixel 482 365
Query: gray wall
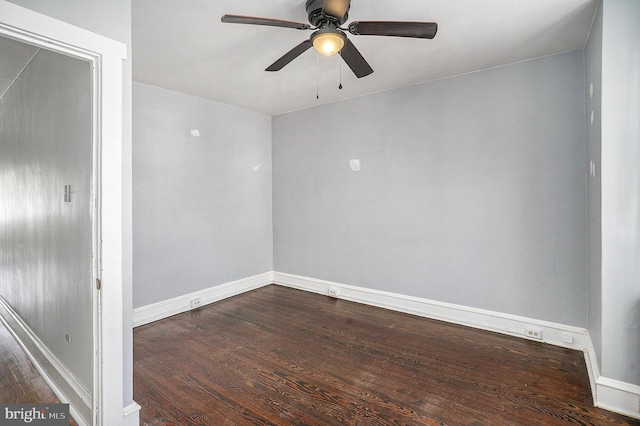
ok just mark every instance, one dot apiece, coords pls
pixel 111 19
pixel 593 100
pixel 45 243
pixel 621 190
pixel 472 190
pixel 202 215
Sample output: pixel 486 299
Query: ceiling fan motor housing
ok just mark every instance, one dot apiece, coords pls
pixel 317 17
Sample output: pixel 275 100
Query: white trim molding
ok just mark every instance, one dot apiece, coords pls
pixel 55 374
pixel 131 414
pixel 591 360
pixel 610 394
pixel 166 308
pixel 621 397
pixel 553 333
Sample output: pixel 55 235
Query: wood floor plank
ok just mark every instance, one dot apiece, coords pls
pixel 278 356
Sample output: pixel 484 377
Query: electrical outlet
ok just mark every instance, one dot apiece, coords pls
pixel 195 303
pixel 333 292
pixel 533 332
pixel 567 338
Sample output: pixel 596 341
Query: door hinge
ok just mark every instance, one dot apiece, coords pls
pixel 98 284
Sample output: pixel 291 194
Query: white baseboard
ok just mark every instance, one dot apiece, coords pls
pixel 131 415
pixel 591 360
pixel 553 333
pixel 166 308
pixel 621 397
pixel 609 394
pixel 60 380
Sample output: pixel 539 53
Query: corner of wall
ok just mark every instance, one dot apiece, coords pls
pixel 166 308
pixel 610 394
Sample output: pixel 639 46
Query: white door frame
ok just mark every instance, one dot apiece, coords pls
pixel 107 57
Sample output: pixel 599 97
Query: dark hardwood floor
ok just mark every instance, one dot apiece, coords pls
pixel 20 382
pixel 280 356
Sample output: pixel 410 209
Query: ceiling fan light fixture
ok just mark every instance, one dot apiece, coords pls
pixel 328 42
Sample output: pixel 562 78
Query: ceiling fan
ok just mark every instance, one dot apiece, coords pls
pixel 325 18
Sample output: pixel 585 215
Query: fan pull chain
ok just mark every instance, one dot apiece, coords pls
pixel 317 77
pixel 340 62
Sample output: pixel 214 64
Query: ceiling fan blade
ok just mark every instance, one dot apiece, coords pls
pixel 290 56
pixel 336 8
pixel 355 60
pixel 394 28
pixel 252 20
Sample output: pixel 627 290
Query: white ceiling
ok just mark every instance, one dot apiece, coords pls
pixel 182 45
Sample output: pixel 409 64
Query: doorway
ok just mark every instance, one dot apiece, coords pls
pixel 47 226
pixel 46 181
pixel 92 381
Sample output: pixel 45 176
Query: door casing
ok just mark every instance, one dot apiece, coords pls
pixel 106 57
